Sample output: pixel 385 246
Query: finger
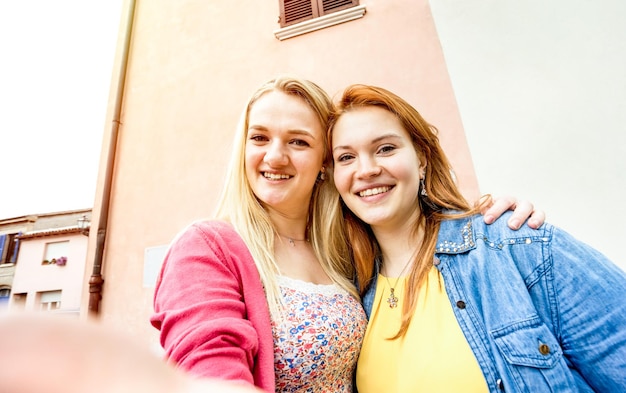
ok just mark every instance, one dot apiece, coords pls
pixel 522 211
pixel 537 218
pixel 498 207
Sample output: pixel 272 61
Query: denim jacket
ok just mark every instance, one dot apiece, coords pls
pixel 542 311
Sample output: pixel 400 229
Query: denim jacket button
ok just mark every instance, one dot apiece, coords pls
pixel 460 304
pixel 500 384
pixel 544 349
pixel 436 261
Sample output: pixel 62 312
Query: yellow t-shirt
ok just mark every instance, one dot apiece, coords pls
pixel 433 356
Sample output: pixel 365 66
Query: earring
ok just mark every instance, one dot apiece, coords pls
pixel 423 192
pixel 424 199
pixel 322 174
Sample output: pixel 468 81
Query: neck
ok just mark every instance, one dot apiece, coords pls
pixel 398 248
pixel 288 227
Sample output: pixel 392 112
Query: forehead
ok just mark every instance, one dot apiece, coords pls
pixel 276 108
pixel 365 124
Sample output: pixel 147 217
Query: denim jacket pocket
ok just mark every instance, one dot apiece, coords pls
pixel 533 360
pixel 528 343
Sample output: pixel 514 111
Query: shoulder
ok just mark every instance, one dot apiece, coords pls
pixel 211 228
pixel 208 240
pixel 210 231
pixel 500 228
pixel 209 246
pixel 468 230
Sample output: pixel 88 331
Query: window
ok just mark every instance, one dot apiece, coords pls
pixel 19 301
pixel 9 246
pixel 49 300
pixel 295 11
pixel 54 251
pixel 5 293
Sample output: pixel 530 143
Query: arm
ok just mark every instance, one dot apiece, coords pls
pixel 523 211
pixel 200 309
pixel 58 355
pixel 591 312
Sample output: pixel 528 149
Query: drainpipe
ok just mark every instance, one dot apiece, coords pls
pixel 96 280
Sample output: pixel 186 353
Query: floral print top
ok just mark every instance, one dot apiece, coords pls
pixel 316 345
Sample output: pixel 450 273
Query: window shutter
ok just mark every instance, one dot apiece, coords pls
pixel 330 6
pixel 50 296
pixel 16 247
pixel 294 11
pixel 3 240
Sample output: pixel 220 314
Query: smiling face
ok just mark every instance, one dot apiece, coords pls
pixel 284 151
pixel 376 170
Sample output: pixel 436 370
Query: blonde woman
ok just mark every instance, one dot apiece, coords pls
pixel 264 293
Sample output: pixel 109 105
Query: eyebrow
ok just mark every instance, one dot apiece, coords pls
pixel 294 131
pixel 302 132
pixel 375 140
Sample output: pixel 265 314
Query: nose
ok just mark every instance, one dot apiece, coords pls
pixel 368 167
pixel 275 155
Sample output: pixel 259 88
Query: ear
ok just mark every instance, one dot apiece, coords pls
pixel 422 169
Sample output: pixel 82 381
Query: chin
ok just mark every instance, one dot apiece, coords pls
pixel 374 220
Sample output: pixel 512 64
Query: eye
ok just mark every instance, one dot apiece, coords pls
pixel 258 138
pixel 299 142
pixel 386 149
pixel 344 157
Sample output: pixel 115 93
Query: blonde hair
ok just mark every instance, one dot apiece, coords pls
pixel 439 184
pixel 239 206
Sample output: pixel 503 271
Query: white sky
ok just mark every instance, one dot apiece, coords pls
pixel 55 74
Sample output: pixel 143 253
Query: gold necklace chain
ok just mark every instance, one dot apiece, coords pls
pixel 393 299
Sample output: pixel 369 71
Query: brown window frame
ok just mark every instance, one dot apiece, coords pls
pixel 301 10
pixel 9 250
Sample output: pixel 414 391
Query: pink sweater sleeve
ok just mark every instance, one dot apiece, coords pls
pixel 200 309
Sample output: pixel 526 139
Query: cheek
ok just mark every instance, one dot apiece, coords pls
pixel 252 158
pixel 342 181
pixel 409 174
pixel 308 163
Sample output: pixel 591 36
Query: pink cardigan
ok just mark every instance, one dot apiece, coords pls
pixel 211 308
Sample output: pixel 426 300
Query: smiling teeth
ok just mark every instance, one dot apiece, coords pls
pixel 374 191
pixel 275 176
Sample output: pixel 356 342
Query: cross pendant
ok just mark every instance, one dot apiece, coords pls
pixel 392 300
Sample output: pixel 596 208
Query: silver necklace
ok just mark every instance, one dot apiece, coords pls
pixel 393 299
pixel 291 240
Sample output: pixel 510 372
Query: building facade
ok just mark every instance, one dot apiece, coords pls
pixel 183 73
pixel 43 261
pixel 10 229
pixel 185 69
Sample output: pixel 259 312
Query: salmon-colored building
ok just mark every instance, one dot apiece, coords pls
pixel 183 71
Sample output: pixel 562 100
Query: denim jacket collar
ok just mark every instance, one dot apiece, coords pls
pixel 455 237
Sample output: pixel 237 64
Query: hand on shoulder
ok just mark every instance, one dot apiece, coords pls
pixel 523 212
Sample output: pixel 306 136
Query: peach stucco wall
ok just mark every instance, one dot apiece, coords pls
pixel 192 65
